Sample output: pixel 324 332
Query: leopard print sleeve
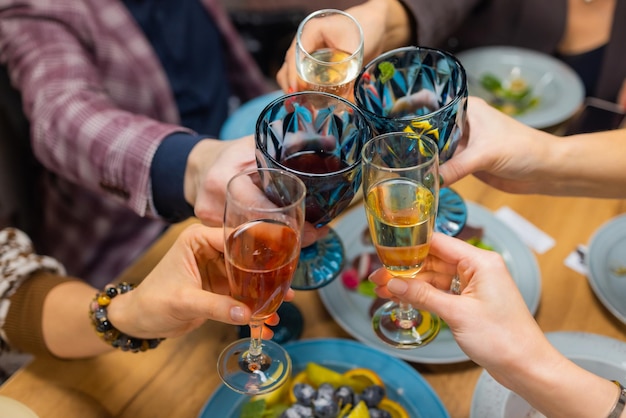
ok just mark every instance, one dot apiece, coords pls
pixel 18 262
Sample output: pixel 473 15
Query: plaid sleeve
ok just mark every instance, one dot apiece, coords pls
pixel 17 263
pixel 97 100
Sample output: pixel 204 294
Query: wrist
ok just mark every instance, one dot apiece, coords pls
pixel 556 386
pixel 167 176
pixel 201 157
pixel 108 330
pixel 399 24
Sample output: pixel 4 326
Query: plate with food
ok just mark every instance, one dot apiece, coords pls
pixel 351 302
pixel 606 263
pixel 599 354
pixel 340 375
pixel 535 88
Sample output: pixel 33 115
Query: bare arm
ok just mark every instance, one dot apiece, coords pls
pixel 491 323
pixel 516 158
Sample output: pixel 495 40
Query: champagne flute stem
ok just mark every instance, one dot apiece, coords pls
pixel 256 342
pixel 406 316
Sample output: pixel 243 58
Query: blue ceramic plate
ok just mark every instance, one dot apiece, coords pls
pixel 606 260
pixel 243 120
pixel 351 309
pixel 404 385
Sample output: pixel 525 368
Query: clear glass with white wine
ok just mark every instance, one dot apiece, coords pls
pixel 327 64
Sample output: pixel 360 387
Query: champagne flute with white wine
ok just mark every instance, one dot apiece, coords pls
pixel 401 188
pixel 329 65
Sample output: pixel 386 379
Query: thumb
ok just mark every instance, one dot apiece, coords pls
pixel 421 295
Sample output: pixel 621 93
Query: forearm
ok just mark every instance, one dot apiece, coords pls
pixel 585 165
pixel 67 328
pixel 557 387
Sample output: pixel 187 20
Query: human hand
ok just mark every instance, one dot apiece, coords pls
pixel 378 18
pixel 498 150
pixel 188 286
pixel 489 319
pixel 211 165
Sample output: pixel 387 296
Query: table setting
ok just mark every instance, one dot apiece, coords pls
pixel 533 87
pixel 422 93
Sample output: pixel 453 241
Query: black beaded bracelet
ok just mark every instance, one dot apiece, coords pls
pixel 105 329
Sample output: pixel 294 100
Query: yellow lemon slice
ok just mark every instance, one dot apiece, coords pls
pixel 317 374
pixel 394 408
pixel 359 411
pixel 360 378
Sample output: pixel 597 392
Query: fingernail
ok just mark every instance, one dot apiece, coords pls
pixel 290 90
pixel 397 286
pixel 237 314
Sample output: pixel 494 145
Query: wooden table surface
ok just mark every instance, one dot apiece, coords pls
pixel 176 379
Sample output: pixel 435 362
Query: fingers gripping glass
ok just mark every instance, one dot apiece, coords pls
pixel 401 188
pixel 263 221
pixel 329 64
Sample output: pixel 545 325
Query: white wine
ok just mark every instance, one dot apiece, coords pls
pixel 401 215
pixel 329 72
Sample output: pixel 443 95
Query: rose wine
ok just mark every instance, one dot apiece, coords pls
pixel 401 215
pixel 337 78
pixel 261 257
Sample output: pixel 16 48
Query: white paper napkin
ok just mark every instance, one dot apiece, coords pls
pixel 532 236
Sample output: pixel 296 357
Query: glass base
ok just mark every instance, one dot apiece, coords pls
pixel 272 370
pixel 288 329
pixel 406 332
pixel 320 263
pixel 452 212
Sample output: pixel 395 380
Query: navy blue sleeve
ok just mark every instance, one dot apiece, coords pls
pixel 167 173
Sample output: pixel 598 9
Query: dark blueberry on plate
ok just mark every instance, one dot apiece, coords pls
pixel 298 411
pixel 325 408
pixel 372 395
pixel 325 390
pixel 344 395
pixel 304 393
pixel 379 413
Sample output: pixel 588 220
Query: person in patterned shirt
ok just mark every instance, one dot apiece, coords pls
pixel 125 100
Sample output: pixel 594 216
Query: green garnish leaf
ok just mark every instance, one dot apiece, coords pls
pixel 253 409
pixel 477 242
pixel 491 82
pixel 387 70
pixel 366 288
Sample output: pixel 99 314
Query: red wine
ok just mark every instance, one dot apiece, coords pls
pixel 314 162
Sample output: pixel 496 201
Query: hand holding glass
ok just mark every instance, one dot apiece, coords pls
pixel 325 62
pixel 401 188
pixel 263 221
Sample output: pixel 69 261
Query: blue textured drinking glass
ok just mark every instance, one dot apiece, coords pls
pixel 421 90
pixel 318 137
